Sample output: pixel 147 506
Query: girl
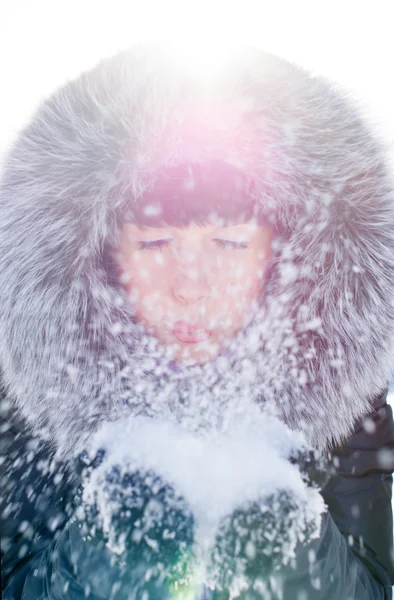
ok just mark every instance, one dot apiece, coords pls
pixel 199 252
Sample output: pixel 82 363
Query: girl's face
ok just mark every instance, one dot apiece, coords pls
pixel 194 288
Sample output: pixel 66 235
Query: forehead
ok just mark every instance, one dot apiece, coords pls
pixel 196 194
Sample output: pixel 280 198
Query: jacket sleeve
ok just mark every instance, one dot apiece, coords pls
pixel 327 569
pixel 63 569
pixel 33 499
pixel 359 493
pixel 77 567
pixel 151 555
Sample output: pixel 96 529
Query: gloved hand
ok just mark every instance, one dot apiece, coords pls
pixel 260 538
pixel 146 526
pixel 149 530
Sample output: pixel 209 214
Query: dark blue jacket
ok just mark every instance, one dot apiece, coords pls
pixel 45 554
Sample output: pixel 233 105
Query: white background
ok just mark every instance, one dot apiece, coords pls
pixel 45 42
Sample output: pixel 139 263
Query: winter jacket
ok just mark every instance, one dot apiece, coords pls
pixel 69 353
pixel 359 521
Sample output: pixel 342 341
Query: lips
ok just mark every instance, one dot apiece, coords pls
pixel 190 334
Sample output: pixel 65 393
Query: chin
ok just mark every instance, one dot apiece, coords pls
pixel 193 356
pixel 190 354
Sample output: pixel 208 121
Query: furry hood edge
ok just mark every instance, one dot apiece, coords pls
pixel 88 155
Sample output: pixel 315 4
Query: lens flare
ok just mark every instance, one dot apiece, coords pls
pixel 204 60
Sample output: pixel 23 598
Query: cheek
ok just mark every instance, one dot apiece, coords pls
pixel 241 277
pixel 151 306
pixel 147 284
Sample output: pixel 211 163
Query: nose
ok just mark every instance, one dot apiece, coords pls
pixel 190 285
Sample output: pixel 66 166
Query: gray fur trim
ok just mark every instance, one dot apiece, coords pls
pixel 327 321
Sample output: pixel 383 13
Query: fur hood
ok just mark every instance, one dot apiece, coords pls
pixel 323 343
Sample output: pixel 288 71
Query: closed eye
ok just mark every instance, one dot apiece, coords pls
pixel 154 244
pixel 160 244
pixel 230 245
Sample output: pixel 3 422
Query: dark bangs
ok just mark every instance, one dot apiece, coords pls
pixel 197 194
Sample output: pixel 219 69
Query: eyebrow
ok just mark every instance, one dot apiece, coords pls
pixel 201 224
pixel 183 227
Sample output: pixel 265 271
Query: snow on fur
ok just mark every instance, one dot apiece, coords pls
pixel 324 340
